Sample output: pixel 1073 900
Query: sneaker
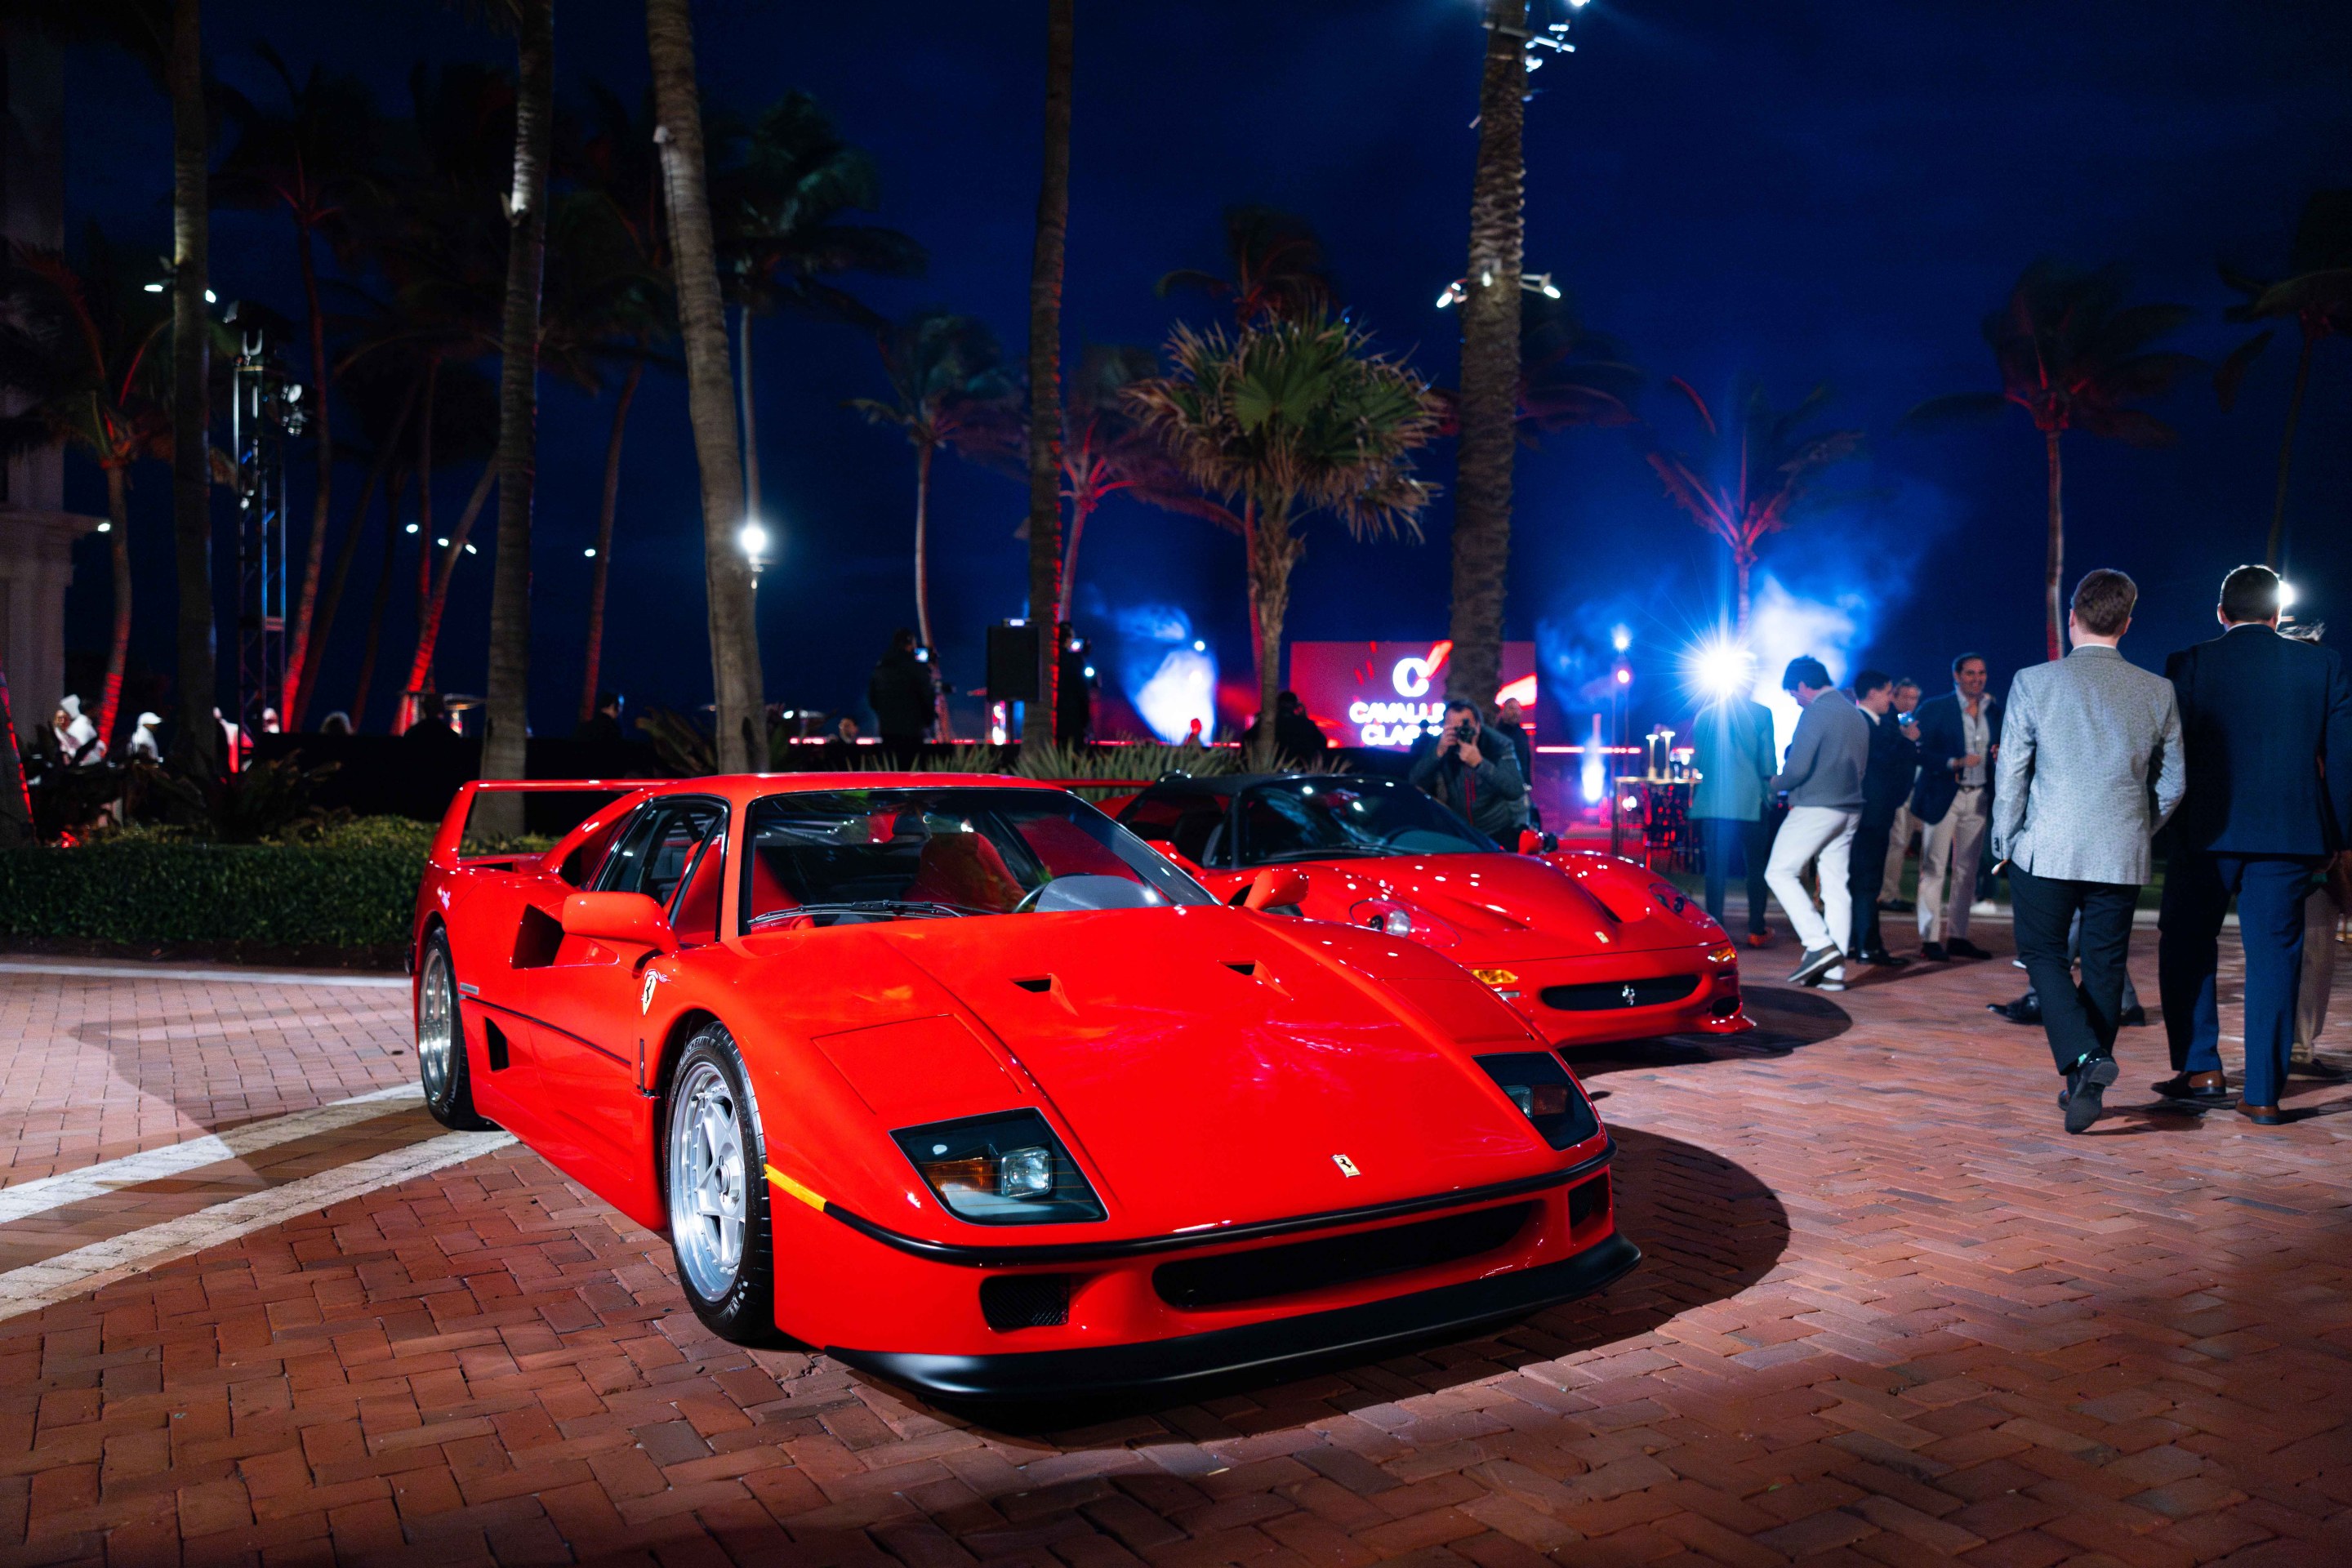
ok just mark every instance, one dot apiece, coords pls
pixel 2086 1088
pixel 1984 907
pixel 1816 963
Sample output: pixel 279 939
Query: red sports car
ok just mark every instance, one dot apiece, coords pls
pixel 1586 947
pixel 957 1079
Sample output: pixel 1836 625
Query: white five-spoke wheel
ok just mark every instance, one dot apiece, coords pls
pixel 716 1184
pixel 709 1185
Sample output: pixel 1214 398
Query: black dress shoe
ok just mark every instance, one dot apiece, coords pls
pixel 1881 959
pixel 2086 1089
pixel 2316 1069
pixel 2180 1091
pixel 1933 953
pixel 2134 1017
pixel 1961 947
pixel 2026 1009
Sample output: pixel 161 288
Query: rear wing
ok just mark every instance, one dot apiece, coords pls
pixel 447 841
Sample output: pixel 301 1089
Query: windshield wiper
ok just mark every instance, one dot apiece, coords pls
pixel 874 907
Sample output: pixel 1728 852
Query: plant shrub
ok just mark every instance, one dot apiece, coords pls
pixel 352 885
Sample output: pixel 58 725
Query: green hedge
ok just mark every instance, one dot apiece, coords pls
pixel 351 886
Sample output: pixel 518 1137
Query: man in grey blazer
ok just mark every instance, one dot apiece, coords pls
pixel 2073 815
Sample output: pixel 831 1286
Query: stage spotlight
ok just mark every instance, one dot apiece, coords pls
pixel 1719 668
pixel 2286 594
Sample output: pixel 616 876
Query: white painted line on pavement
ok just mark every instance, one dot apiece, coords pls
pixel 68 1275
pixel 39 1196
pixel 232 977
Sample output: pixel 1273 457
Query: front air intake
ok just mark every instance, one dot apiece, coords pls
pixel 1011 1302
pixel 1615 995
pixel 1231 1277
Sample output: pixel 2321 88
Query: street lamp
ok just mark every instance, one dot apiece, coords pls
pixel 753 539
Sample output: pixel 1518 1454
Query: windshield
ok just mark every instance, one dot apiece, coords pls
pixel 1308 819
pixel 821 856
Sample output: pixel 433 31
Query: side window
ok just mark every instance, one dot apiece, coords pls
pixel 695 916
pixel 1188 822
pixel 657 852
pixel 618 873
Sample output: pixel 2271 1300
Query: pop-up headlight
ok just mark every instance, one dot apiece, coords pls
pixel 1394 917
pixel 1001 1170
pixel 1543 1089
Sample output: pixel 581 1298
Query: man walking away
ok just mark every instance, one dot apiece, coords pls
pixel 1473 769
pixel 1959 741
pixel 1905 826
pixel 900 692
pixel 1822 776
pixel 1894 758
pixel 1731 744
pixel 2269 726
pixel 2074 821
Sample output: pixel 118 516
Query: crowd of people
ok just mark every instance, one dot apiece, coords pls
pixel 2239 755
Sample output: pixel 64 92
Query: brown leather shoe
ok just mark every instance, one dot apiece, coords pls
pixel 2263 1115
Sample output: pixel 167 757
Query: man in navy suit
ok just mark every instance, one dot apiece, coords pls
pixel 2268 725
pixel 1959 742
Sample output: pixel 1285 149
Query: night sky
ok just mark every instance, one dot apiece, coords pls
pixel 1811 191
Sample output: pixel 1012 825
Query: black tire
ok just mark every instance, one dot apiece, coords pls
pixel 708 1182
pixel 441 1065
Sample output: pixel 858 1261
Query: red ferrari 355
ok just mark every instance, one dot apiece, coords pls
pixel 961 1082
pixel 1586 947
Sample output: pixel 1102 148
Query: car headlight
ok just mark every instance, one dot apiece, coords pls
pixel 1394 917
pixel 1008 1169
pixel 1543 1090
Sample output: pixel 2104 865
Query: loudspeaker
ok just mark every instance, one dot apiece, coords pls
pixel 1013 662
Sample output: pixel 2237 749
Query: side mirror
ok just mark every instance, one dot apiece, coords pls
pixel 1535 841
pixel 1275 886
pixel 631 919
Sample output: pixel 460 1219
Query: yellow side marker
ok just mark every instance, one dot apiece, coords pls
pixel 813 1200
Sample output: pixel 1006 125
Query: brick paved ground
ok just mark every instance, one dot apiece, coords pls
pixel 1891 1314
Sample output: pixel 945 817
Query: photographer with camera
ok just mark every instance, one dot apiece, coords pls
pixel 1475 770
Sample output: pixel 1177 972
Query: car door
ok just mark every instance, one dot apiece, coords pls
pixel 588 1003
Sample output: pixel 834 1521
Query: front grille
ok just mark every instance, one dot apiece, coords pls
pixel 1616 996
pixel 1012 1301
pixel 1235 1277
pixel 1584 1201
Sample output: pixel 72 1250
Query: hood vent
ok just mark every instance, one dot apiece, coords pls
pixel 1040 984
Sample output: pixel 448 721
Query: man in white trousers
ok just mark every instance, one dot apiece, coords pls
pixel 1823 779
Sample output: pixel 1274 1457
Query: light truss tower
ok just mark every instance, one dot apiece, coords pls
pixel 264 410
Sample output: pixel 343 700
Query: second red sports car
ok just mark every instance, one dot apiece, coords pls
pixel 1586 948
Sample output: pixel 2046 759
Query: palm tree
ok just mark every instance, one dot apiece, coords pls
pixel 387 403
pixel 2073 355
pixel 315 159
pixel 948 388
pixel 1754 476
pixel 2317 292
pixel 1045 366
pixel 1288 418
pixel 1279 269
pixel 1490 362
pixel 741 740
pixel 506 691
pixel 87 346
pixel 1106 450
pixel 780 196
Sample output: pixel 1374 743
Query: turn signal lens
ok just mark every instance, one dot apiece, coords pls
pixel 1496 977
pixel 1723 952
pixel 1545 1095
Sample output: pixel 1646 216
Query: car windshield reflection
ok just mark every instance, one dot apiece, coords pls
pixel 1307 819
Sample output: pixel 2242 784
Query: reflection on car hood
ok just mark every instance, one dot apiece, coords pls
pixel 1213 1065
pixel 1509 907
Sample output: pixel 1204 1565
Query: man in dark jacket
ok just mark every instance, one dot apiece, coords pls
pixel 900 692
pixel 1959 742
pixel 1473 769
pixel 2267 721
pixel 1885 786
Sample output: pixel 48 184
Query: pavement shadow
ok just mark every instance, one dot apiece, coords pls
pixel 1707 1228
pixel 1787 1019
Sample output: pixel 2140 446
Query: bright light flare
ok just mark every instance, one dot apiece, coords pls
pixel 754 537
pixel 2286 594
pixel 1719 668
pixel 1621 639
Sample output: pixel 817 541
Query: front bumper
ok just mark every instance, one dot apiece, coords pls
pixel 1713 1005
pixel 1173 1369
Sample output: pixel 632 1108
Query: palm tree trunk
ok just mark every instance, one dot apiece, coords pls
pixel 1080 510
pixel 198 740
pixel 1274 552
pixel 429 620
pixel 376 611
pixel 2275 553
pixel 922 542
pixel 296 695
pixel 750 422
pixel 1745 564
pixel 600 572
pixel 1045 370
pixel 1490 365
pixel 425 535
pixel 325 625
pixel 742 742
pixel 506 693
pixel 117 652
pixel 2055 571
